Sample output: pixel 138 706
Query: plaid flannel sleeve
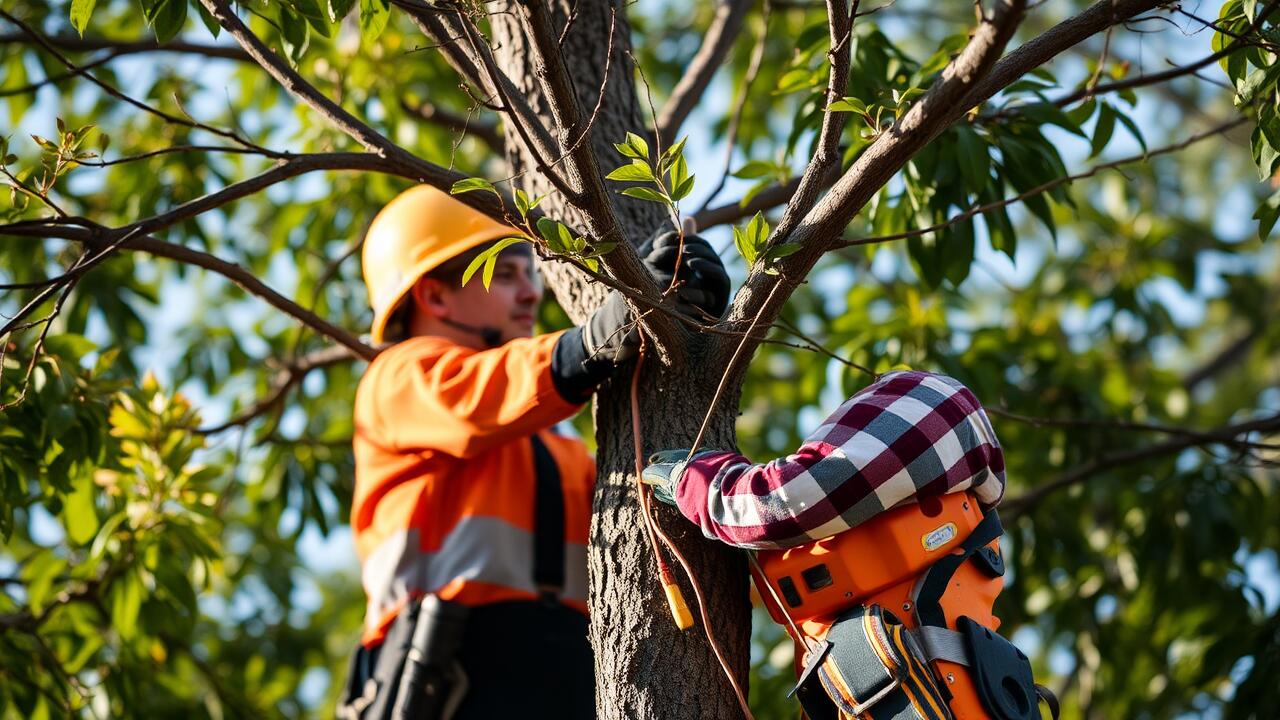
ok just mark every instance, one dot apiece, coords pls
pixel 909 434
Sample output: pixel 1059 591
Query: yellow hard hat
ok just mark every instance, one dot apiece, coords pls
pixel 421 229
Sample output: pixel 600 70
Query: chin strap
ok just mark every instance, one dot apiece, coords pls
pixel 491 336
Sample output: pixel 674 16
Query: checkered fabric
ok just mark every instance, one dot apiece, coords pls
pixel 909 434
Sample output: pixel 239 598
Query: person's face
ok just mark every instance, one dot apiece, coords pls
pixel 508 305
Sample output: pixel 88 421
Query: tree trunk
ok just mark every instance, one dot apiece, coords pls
pixel 645 666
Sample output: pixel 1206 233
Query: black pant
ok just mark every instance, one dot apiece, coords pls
pixel 531 659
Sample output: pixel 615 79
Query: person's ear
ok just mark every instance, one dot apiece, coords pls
pixel 430 296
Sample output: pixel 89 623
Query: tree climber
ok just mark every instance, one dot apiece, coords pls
pixel 470 514
pixel 878 550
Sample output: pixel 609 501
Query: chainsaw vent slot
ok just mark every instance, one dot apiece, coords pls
pixel 816 577
pixel 788 588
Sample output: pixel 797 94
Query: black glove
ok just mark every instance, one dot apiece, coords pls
pixel 704 282
pixel 585 355
pixel 611 333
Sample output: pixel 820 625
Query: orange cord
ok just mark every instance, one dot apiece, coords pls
pixel 674 597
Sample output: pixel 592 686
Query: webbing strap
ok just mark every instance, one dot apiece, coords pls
pixel 1048 698
pixel 936 579
pixel 940 643
pixel 548 521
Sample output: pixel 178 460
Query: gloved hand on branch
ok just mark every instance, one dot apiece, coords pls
pixel 703 287
pixel 665 469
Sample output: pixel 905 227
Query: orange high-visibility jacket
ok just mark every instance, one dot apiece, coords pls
pixel 445 484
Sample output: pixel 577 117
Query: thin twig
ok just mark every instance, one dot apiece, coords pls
pixel 110 90
pixel 1096 468
pixel 729 371
pixel 431 113
pixel 286 379
pixel 826 154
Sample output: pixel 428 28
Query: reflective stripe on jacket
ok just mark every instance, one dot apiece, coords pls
pixel 445 483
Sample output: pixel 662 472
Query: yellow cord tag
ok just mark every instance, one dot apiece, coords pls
pixel 679 610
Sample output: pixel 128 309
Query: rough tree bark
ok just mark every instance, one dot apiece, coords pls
pixel 645 666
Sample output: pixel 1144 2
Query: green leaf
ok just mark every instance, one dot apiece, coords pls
pixel 567 239
pixel 675 151
pixel 1081 113
pixel 1132 127
pixel 81 11
pixel 209 21
pixel 316 17
pixel 79 514
pixel 1267 213
pixel 973 158
pixel 479 261
pixel 522 202
pixel 777 252
pixel 752 240
pixel 848 104
pixel 373 19
pixel 755 169
pixel 644 193
pixel 1103 129
pixel 45 144
pixel 69 346
pixel 338 9
pixel 678 174
pixel 683 189
pixel 1047 113
pixel 638 144
pixel 627 151
pixel 1264 156
pixel 293 33
pixel 469 184
pixel 126 601
pixel 794 80
pixel 637 171
pixel 166 17
pixel 602 249
pixel 745 248
pixel 550 232
pixel 489 260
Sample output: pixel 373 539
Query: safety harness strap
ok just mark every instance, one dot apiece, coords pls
pixel 548 523
pixel 875 669
pixel 941 644
pixel 938 577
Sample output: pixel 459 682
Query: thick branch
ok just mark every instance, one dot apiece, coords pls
pixel 1090 470
pixel 1047 186
pixel 1235 45
pixel 622 262
pixel 826 156
pixel 100 237
pixel 133 47
pixel 448 28
pixel 935 111
pixel 375 142
pixel 716 44
pixel 299 164
pixel 1227 357
pixel 44 42
pixel 289 376
pixel 1048 45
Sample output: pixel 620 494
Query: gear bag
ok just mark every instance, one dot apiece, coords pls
pixel 893 621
